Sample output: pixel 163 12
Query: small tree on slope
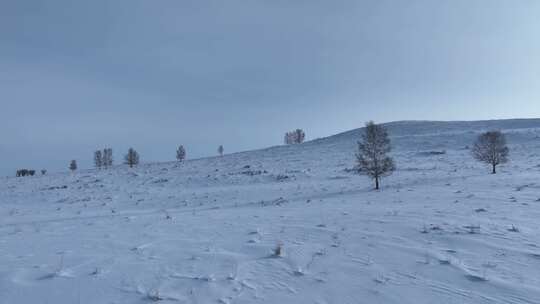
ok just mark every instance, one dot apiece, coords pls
pixel 221 150
pixel 490 148
pixel 132 158
pixel 181 153
pixel 300 136
pixel 372 156
pixel 107 158
pixel 98 159
pixel 73 165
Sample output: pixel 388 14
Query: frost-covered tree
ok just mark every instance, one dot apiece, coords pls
pixel 300 136
pixel 372 157
pixel 181 153
pixel 490 148
pixel 73 165
pixel 132 158
pixel 98 159
pixel 295 137
pixel 220 150
pixel 107 158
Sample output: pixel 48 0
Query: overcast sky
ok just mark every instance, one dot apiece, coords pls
pixel 76 76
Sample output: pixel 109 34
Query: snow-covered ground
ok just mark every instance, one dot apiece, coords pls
pixel 442 230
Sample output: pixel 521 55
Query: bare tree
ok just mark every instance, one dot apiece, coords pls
pixel 43 171
pixel 98 159
pixel 73 165
pixel 490 148
pixel 110 158
pixel 107 158
pixel 372 157
pixel 220 150
pixel 132 158
pixel 181 153
pixel 287 138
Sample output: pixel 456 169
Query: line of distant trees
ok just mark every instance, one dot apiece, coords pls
pixel 372 157
pixel 103 159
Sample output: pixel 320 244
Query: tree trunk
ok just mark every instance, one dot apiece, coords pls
pixel 376 183
pixel 494 171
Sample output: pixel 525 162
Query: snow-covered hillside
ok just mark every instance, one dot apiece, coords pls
pixel 442 230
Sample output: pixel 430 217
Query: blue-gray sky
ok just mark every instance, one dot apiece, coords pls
pixel 80 75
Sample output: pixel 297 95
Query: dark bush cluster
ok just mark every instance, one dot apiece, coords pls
pixel 25 172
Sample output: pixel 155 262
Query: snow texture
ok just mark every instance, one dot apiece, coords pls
pixel 287 224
